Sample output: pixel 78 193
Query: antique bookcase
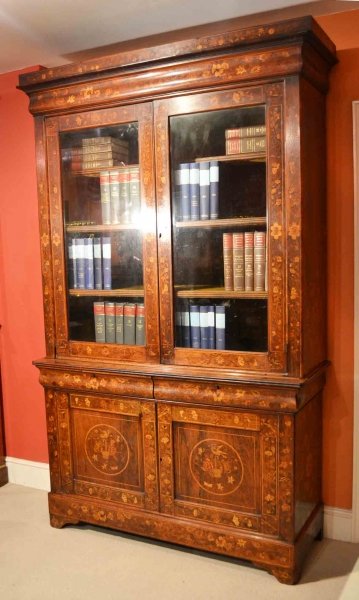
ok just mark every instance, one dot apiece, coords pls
pixel 182 216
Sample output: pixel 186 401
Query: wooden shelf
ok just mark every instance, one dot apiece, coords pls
pixel 120 292
pixel 249 156
pixel 101 228
pixel 219 292
pixel 235 222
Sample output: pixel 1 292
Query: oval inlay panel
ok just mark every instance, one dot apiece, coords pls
pixel 107 450
pixel 216 467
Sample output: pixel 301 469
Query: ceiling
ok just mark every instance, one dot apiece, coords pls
pixel 54 32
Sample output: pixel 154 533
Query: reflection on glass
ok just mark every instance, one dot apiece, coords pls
pixel 218 168
pixel 102 206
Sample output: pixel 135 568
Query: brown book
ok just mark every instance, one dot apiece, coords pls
pixel 248 261
pixel 259 260
pixel 228 261
pixel 242 132
pixel 238 262
pixel 246 145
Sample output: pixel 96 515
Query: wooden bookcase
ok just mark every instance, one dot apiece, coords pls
pixel 206 434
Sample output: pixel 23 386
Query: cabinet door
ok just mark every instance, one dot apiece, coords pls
pixel 221 228
pixel 103 447
pixel 102 212
pixel 221 467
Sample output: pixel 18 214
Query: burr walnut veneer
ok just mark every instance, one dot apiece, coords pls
pixel 215 447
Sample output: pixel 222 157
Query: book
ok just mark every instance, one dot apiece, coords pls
pixel 203 326
pixel 129 324
pixel 89 266
pixel 194 190
pixel 211 327
pixel 204 183
pixel 228 261
pixel 186 332
pixel 246 145
pixel 125 202
pixel 119 322
pixel 184 191
pixel 101 163
pixel 115 197
pixel 238 262
pixel 248 131
pixel 178 324
pixel 110 322
pixel 106 263
pixel 213 189
pixel 99 319
pixel 177 193
pixel 135 197
pixel 248 260
pixel 194 326
pixel 140 325
pixel 105 196
pixel 84 154
pixel 259 261
pixel 103 140
pixel 97 257
pixel 70 265
pixel 220 324
pixel 80 263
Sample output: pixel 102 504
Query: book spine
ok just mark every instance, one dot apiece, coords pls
pixel 110 322
pixel 74 262
pixel 140 325
pixel 135 198
pixel 184 192
pixel 125 216
pixel 97 257
pixel 211 328
pixel 102 145
pixel 238 262
pixel 70 265
pixel 115 196
pixel 194 190
pixel 177 194
pixel 245 145
pixel 106 263
pixel 220 327
pixel 89 267
pixel 228 261
pixel 203 325
pixel 129 325
pixel 101 164
pixel 178 319
pixel 259 261
pixel 242 132
pixel 194 326
pixel 119 322
pixel 204 183
pixel 99 319
pixel 213 189
pixel 186 330
pixel 248 261
pixel 80 263
pixel 105 197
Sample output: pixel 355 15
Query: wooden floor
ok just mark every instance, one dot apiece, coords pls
pixel 84 562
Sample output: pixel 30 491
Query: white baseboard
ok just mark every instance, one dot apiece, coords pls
pixel 28 473
pixel 338 524
pixel 337 521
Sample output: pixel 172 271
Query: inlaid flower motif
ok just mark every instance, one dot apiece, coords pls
pixel 241 70
pixel 276 231
pixel 71 99
pixel 293 294
pixel 219 69
pixel 56 239
pixel 45 239
pixel 294 231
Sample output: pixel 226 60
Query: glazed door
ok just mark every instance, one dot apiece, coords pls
pixel 103 229
pixel 221 229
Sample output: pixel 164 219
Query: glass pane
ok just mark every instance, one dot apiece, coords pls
pixel 218 174
pixel 102 206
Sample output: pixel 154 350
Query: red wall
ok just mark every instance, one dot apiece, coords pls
pixel 22 332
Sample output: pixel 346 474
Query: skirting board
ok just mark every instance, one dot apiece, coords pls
pixel 337 521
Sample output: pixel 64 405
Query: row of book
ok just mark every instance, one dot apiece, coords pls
pixel 245 261
pixel 89 264
pixel 119 323
pixel 120 195
pixel 244 140
pixel 197 189
pixel 99 152
pixel 199 326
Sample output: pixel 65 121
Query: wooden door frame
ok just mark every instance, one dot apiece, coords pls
pixel 355 505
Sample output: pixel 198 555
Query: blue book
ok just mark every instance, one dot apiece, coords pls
pixel 178 317
pixel 106 263
pixel 203 324
pixel 213 189
pixel 220 327
pixel 211 328
pixel 97 257
pixel 185 327
pixel 89 271
pixel 80 263
pixel 71 264
pixel 194 190
pixel 184 191
pixel 204 190
pixel 194 326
